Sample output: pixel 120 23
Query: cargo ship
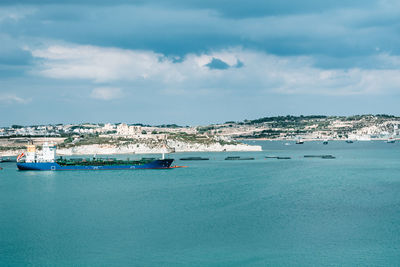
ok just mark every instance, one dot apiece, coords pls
pixel 46 161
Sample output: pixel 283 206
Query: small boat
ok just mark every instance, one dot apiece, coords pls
pixel 7 160
pixel 349 141
pixel 299 142
pixel 194 158
pixel 391 140
pixel 320 156
pixel 325 142
pixel 277 157
pixel 238 158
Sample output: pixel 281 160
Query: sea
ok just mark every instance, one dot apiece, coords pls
pixel 301 211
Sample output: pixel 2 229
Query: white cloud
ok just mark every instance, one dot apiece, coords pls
pixel 260 72
pixel 15 13
pixel 12 98
pixel 106 93
pixel 99 64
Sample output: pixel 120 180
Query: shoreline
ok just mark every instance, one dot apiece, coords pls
pixel 312 139
pixel 103 149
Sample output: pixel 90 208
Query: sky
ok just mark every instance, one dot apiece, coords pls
pixel 196 62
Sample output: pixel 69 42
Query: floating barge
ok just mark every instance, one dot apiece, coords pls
pixel 8 159
pixel 277 157
pixel 238 158
pixel 194 158
pixel 320 156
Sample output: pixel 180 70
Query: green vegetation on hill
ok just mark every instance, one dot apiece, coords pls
pixel 266 127
pixel 279 120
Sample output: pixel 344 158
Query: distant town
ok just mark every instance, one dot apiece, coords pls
pixel 216 137
pixel 281 127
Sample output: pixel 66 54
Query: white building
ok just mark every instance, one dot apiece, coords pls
pixel 126 130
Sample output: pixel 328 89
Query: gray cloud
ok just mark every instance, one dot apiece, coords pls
pixel 336 35
pixel 328 30
pixel 229 8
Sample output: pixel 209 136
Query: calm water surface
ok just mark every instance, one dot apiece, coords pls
pixel 297 212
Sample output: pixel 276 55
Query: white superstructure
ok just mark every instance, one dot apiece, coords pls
pixel 48 153
pixel 30 153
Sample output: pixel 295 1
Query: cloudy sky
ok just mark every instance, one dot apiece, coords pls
pixel 196 62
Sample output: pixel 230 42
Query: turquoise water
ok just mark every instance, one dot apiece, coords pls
pixel 297 212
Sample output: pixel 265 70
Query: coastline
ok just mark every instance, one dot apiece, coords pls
pixel 311 139
pixel 174 146
pixel 143 149
pixel 107 149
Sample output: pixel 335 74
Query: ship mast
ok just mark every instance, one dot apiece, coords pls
pixel 165 147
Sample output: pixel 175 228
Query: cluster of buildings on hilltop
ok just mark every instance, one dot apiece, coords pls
pixel 317 129
pixel 30 131
pixel 332 129
pixel 50 130
pixel 125 130
pixel 120 129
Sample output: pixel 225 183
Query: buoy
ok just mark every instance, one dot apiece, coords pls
pixel 175 167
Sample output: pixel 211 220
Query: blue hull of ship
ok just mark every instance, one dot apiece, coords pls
pixel 53 166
